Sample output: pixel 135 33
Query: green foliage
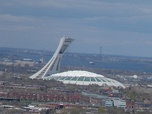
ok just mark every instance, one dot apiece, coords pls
pixel 102 110
pixel 73 111
pixel 11 111
pixel 136 94
pixel 114 110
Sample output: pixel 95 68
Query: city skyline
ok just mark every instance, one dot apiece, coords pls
pixel 120 27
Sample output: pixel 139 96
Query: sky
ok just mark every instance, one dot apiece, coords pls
pixel 120 27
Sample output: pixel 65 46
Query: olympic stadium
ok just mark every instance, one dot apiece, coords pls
pixel 84 78
pixel 52 71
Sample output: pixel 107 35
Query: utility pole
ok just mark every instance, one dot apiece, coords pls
pixel 101 52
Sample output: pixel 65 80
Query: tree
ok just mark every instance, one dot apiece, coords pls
pixel 73 110
pixel 102 110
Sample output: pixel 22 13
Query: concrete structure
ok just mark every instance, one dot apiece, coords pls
pixel 53 66
pixel 108 103
pixel 84 78
pixel 119 103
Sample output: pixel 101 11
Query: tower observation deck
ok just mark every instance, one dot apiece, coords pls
pixel 53 66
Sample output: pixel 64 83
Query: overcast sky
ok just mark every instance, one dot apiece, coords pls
pixel 121 27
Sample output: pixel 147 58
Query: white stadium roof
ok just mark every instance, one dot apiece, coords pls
pixel 84 78
pixel 78 73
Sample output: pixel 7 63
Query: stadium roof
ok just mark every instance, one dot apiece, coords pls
pixel 84 78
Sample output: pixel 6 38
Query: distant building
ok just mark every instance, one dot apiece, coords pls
pixel 107 103
pixel 84 78
pixel 114 103
pixel 52 68
pixel 119 103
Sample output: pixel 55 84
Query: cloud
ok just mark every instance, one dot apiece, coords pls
pixel 120 27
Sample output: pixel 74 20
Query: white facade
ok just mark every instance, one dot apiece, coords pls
pixel 53 66
pixel 108 103
pixel 84 78
pixel 119 103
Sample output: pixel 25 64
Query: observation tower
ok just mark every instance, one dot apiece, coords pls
pixel 53 66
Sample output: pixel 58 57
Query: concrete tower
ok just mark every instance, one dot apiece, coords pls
pixel 53 66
